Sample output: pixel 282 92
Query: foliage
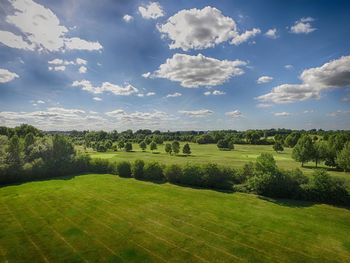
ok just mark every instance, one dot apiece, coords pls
pixel 143 145
pixel 153 146
pixel 173 173
pixel 128 147
pixel 175 147
pixel 137 169
pixel 186 149
pixel 278 147
pixel 343 157
pixel 304 150
pixel 153 171
pixel 168 149
pixel 123 169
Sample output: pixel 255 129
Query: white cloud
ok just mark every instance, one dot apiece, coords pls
pixel 146 75
pixel 128 18
pixel 54 118
pixel 40 30
pixel 289 67
pixel 196 71
pixel 174 95
pixel 263 105
pixel 339 113
pixel 271 33
pixel 149 118
pixel 97 98
pixel 81 44
pixel 345 98
pixel 303 26
pixel 202 28
pixel 151 11
pixel 106 87
pixel 80 61
pixel 214 92
pixel 57 68
pixel 234 114
pixel 308 111
pixel 14 41
pixel 7 76
pixel 333 74
pixel 197 113
pixel 150 94
pixel 82 69
pixel 198 28
pixel 239 39
pixel 282 114
pixel 264 79
pixel 40 102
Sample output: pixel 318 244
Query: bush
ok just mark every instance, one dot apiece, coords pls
pixel 137 169
pixel 217 178
pixel 173 173
pixel 327 189
pixel 100 166
pixel 123 169
pixel 192 175
pixel 153 172
pixel 128 147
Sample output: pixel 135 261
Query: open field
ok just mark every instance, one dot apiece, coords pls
pixel 209 153
pixel 104 218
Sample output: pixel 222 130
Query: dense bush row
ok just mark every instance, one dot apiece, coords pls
pixel 263 178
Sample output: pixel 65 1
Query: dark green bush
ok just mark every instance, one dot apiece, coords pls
pixel 137 169
pixel 153 171
pixel 173 173
pixel 192 175
pixel 217 178
pixel 123 169
pixel 100 166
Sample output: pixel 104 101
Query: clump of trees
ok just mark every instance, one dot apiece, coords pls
pixel 225 144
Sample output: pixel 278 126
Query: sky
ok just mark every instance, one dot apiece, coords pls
pixel 175 65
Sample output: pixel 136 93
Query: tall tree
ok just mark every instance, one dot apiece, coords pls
pixel 13 157
pixel 143 145
pixel 186 149
pixel 343 157
pixel 176 147
pixel 153 146
pixel 168 148
pixel 278 147
pixel 304 150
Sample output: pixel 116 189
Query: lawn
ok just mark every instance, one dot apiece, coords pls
pixel 210 153
pixel 104 218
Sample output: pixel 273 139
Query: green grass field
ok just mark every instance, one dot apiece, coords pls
pixel 210 153
pixel 104 218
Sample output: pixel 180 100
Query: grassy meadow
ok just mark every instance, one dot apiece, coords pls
pixel 204 153
pixel 104 218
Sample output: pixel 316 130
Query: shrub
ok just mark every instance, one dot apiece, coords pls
pixel 124 169
pixel 217 178
pixel 100 166
pixel 192 175
pixel 173 173
pixel 137 169
pixel 128 147
pixel 327 189
pixel 265 163
pixel 153 172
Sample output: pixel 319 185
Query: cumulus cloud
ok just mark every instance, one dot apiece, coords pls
pixel 271 33
pixel 57 68
pixel 128 18
pixel 197 113
pixel 174 95
pixel 82 69
pixel 86 85
pixel 154 117
pixel 202 28
pixel 214 92
pixel 264 79
pixel 53 118
pixel 146 75
pixel 289 67
pixel 239 39
pixel 234 114
pixel 263 105
pixel 282 114
pixel 7 76
pixel 40 30
pixel 333 74
pixel 303 26
pixel 97 98
pixel 151 11
pixel 150 94
pixel 196 71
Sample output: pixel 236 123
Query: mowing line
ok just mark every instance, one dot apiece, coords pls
pixel 57 234
pixel 26 234
pixel 189 236
pixel 149 233
pixel 119 233
pixel 84 231
pixel 268 231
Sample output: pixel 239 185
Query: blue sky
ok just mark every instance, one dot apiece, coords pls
pixel 175 65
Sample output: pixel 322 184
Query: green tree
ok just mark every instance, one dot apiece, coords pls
pixel 176 147
pixel 304 150
pixel 153 146
pixel 29 141
pixel 168 148
pixel 265 163
pixel 343 157
pixel 143 145
pixel 292 139
pixel 128 147
pixel 121 144
pixel 186 149
pixel 13 156
pixel 278 147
